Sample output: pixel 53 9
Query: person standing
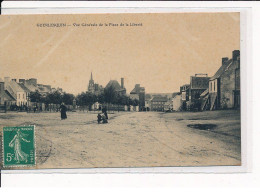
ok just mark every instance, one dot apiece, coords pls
pixel 63 110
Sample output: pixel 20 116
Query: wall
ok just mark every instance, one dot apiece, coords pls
pixel 21 98
pixel 134 96
pixel 177 102
pixel 157 106
pixel 195 94
pixel 227 86
pixel 142 99
pixel 213 89
pixel 1 92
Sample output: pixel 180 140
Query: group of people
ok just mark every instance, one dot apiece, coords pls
pixel 101 117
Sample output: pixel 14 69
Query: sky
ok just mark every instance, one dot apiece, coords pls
pixel 161 54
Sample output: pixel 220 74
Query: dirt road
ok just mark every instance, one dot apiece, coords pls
pixel 135 139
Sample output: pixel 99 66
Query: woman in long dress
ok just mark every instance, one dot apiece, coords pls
pixel 63 110
pixel 19 155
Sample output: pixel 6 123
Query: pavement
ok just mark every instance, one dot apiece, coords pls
pixel 133 139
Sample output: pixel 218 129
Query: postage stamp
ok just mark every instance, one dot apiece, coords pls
pixel 19 146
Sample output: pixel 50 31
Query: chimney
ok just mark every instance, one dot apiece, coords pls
pixel 2 86
pixel 7 79
pixel 137 85
pixel 22 81
pixel 122 83
pixel 235 55
pixel 224 60
pixel 14 80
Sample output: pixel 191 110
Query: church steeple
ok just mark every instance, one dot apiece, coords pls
pixel 91 84
pixel 91 76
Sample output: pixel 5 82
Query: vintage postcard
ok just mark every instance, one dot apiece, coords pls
pixel 120 90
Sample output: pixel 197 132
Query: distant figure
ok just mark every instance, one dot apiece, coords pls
pixel 104 110
pixel 63 110
pixel 99 118
pixel 34 109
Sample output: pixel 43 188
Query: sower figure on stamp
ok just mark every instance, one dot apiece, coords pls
pixel 63 110
pixel 16 144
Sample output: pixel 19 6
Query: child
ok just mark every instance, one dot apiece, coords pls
pixel 104 118
pixel 99 118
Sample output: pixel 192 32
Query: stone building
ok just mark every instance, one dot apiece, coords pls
pixel 198 84
pixel 224 86
pixel 184 92
pixel 158 102
pixel 119 89
pixel 16 91
pixel 138 93
pixel 176 101
pixel 147 105
pixel 6 98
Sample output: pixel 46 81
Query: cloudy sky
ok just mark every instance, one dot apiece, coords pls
pixel 160 55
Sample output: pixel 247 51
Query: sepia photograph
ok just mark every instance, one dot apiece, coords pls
pixel 120 90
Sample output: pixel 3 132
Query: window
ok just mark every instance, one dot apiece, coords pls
pixel 214 86
pixel 18 96
pixel 23 96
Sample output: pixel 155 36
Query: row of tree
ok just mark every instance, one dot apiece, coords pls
pixel 109 95
pixel 52 98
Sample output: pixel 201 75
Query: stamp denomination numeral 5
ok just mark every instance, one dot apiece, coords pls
pixel 9 157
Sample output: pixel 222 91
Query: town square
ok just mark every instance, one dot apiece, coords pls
pixel 146 139
pixel 121 96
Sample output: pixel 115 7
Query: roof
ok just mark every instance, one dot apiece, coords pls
pixel 137 90
pixel 199 82
pixel 7 96
pixel 1 80
pixel 167 103
pixel 185 85
pixel 221 69
pixel 147 97
pixel 175 94
pixel 24 87
pixel 114 84
pixel 204 93
pixel 44 88
pixel 31 87
pixel 15 86
pixel 159 99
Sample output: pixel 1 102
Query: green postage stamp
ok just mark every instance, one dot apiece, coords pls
pixel 19 146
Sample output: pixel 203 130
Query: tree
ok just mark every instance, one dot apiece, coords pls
pixel 101 98
pixel 86 99
pixel 68 98
pixel 110 95
pixel 36 96
pixel 53 98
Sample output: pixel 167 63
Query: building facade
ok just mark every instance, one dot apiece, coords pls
pixel 5 98
pixel 138 93
pixel 119 89
pixel 198 84
pixel 16 91
pixel 224 86
pixel 158 102
pixel 177 101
